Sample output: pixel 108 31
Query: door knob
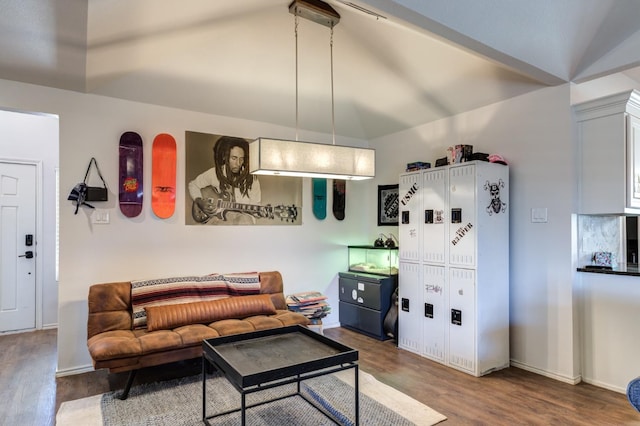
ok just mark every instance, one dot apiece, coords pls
pixel 27 254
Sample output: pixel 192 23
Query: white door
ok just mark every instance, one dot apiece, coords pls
pixel 17 257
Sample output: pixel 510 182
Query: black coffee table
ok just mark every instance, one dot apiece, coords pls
pixel 270 358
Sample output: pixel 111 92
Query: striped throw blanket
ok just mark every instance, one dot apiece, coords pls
pixel 166 291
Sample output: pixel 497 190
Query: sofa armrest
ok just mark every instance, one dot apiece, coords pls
pixel 271 283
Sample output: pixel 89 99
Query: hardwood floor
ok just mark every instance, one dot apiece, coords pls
pixel 31 395
pixel 27 378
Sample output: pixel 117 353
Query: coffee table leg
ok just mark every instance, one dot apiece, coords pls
pixel 357 396
pixel 243 408
pixel 204 390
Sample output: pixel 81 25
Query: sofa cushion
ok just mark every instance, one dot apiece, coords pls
pixel 113 345
pixel 228 327
pixel 194 334
pixel 160 341
pixel 291 318
pixel 170 291
pixel 262 322
pixel 167 317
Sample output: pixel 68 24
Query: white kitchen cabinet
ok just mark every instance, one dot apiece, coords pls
pixel 609 154
pixel 454 299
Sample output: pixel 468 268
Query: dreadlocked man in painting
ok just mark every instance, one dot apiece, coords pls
pixel 226 192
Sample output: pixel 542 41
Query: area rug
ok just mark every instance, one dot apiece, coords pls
pixel 179 403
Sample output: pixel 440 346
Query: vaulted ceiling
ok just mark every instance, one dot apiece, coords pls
pixel 396 64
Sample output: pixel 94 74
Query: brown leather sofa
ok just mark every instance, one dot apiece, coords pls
pixel 175 332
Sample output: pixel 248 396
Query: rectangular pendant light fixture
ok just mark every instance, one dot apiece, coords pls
pixel 307 159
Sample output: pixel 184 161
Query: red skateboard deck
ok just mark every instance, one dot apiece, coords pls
pixel 163 175
pixel 130 192
pixel 339 198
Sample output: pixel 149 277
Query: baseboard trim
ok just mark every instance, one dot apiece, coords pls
pixel 74 371
pixel 555 376
pixel 607 386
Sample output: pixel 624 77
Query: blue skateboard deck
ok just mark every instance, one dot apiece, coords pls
pixel 319 198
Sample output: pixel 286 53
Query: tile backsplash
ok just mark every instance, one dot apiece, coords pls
pixel 600 234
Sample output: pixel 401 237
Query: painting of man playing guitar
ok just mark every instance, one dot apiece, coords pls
pixel 226 193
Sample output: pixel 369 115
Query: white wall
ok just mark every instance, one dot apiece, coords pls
pixel 34 138
pixel 533 133
pixel 308 256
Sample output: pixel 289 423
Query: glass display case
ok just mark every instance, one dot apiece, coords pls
pixel 373 260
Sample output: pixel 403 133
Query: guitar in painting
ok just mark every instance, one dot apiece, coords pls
pixel 220 203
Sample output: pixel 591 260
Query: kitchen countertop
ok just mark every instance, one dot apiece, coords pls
pixel 630 270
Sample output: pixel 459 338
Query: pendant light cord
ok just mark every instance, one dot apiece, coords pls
pixel 333 119
pixel 296 36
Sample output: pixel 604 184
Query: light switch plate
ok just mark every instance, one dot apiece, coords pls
pixel 539 215
pixel 100 217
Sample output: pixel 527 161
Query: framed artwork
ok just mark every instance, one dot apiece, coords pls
pixel 220 191
pixel 388 205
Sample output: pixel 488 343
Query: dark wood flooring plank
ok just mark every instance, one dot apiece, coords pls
pixel 27 378
pixel 511 396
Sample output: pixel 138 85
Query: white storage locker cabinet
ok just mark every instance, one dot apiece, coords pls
pixel 435 312
pixel 463 271
pixel 434 198
pixel 410 294
pixel 410 307
pixel 410 210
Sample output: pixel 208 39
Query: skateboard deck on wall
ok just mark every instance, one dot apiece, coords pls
pixel 319 198
pixel 130 192
pixel 339 198
pixel 163 176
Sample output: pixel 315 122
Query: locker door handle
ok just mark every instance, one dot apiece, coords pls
pixel 456 317
pixel 456 215
pixel 428 216
pixel 405 217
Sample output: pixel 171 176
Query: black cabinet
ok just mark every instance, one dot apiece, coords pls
pixel 365 300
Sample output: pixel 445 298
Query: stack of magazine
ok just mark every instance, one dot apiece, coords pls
pixel 311 304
